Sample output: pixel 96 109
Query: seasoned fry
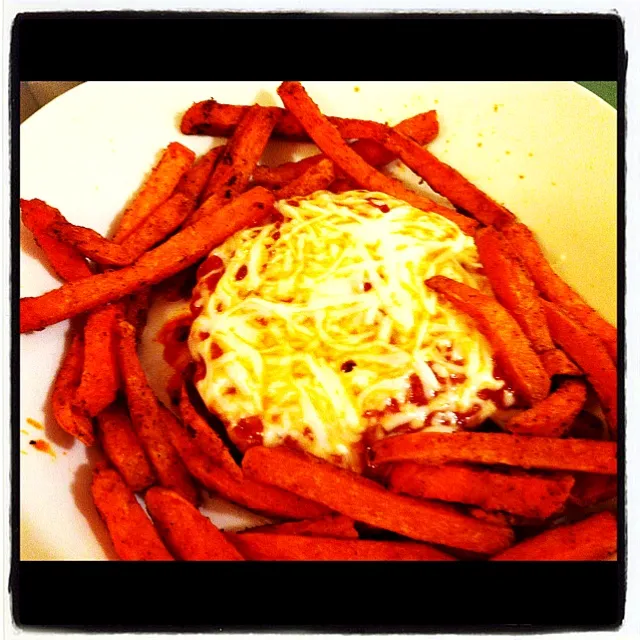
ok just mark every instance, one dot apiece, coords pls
pixel 328 138
pixel 423 128
pixel 366 501
pixel 100 379
pixel 553 288
pixel 68 416
pixel 527 452
pixel 132 533
pixel 153 229
pixel 147 419
pixel 189 534
pixel 38 217
pixel 176 254
pixel 591 489
pixel 237 162
pixel 556 363
pixel 317 177
pixel 211 118
pixel 123 448
pixel 513 287
pixel 206 438
pixel 137 309
pixel 268 546
pixel 157 189
pixel 330 527
pixel 555 414
pixel 341 185
pixel 594 538
pixel 532 496
pixel 589 353
pixel 254 495
pixel 512 349
pixel 193 182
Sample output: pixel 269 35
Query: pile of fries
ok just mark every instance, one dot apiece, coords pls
pixel 532 491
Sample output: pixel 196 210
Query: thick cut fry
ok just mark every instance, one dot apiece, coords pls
pixel 253 495
pixel 100 379
pixel 123 448
pixel 132 533
pixel 157 189
pixel 271 546
pixel 442 178
pixel 329 140
pixel 592 539
pixel 211 118
pixel 366 501
pixel 137 310
pixel 206 438
pixel 513 287
pixel 147 419
pixel 68 416
pixel 237 162
pixel 38 217
pixel 512 349
pixel 176 254
pixel 532 496
pixel 329 527
pixel 193 182
pixel 189 534
pixel 589 353
pixel 556 363
pixel 553 416
pixel 588 427
pixel 316 178
pixel 553 288
pixel 155 228
pixel 527 452
pixel 422 128
pixel 591 489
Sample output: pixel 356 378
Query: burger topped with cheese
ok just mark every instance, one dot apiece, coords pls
pixel 318 331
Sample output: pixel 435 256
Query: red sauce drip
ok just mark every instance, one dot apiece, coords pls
pixel 247 433
pixel 276 235
pixel 200 372
pixel 212 263
pixel 293 203
pixel 383 207
pixel 173 337
pixel 241 273
pixel 215 351
pixel 416 392
pixel 366 286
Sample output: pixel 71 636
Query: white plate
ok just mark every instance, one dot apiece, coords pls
pixel 545 150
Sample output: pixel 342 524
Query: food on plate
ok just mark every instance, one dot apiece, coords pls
pixel 189 534
pixel 133 535
pixel 595 538
pixel 371 371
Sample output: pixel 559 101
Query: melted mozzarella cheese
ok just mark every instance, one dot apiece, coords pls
pixel 327 330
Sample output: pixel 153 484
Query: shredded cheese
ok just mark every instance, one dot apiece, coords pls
pixel 327 330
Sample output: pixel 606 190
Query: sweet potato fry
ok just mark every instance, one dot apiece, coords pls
pixel 211 118
pixel 594 538
pixel 193 182
pixel 341 185
pixel 513 287
pixel 206 438
pixel 591 489
pixel 553 288
pixel 100 379
pixel 157 189
pixel 512 349
pixel 588 427
pixel 533 496
pixel 152 230
pixel 237 162
pixel 271 546
pixel 253 495
pixel 329 527
pixel 189 534
pixel 556 363
pixel 316 178
pixel 366 501
pixel 123 449
pixel 147 420
pixel 38 217
pixel 132 533
pixel 527 452
pixel 68 416
pixel 589 353
pixel 329 140
pixel 422 128
pixel 553 416
pixel 137 309
pixel 176 254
